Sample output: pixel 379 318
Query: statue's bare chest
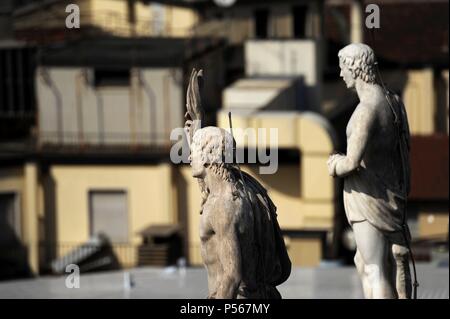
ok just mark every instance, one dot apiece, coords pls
pixel 207 219
pixel 351 123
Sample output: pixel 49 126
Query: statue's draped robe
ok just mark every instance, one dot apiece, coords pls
pixel 366 197
pixel 273 266
pixel 369 197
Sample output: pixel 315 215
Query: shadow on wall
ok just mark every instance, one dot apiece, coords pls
pixel 13 254
pixel 183 204
pixel 286 180
pixel 97 254
pixel 49 252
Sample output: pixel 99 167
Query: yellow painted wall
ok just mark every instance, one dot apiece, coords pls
pixel 112 16
pixel 149 197
pixel 304 252
pixel 180 21
pixel 163 193
pixel 433 224
pixel 309 134
pixel 419 100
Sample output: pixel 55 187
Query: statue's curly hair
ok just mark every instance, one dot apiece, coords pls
pixel 360 59
pixel 215 145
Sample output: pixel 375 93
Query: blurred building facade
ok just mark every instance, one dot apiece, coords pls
pixel 88 113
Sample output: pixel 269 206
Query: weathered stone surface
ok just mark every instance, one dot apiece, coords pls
pixel 376 176
pixel 241 242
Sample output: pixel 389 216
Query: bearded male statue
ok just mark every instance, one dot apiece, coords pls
pixel 376 175
pixel 241 242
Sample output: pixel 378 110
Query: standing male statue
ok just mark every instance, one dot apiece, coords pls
pixel 241 242
pixel 376 177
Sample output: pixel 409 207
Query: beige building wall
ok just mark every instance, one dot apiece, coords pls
pixel 357 21
pixel 305 252
pixel 299 58
pixel 151 19
pixel 445 78
pixel 179 21
pixel 113 16
pixel 140 113
pixel 433 224
pixel 420 102
pixel 149 192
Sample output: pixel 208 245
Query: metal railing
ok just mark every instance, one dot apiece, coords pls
pixel 131 139
pixel 112 22
pixel 54 257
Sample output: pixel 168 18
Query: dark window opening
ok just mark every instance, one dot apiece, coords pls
pixel 17 92
pixel 261 23
pixel 299 21
pixel 9 219
pixel 219 15
pixel 107 77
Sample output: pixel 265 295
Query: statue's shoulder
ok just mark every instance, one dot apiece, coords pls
pixel 365 113
pixel 228 205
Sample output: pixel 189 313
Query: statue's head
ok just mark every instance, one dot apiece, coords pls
pixel 211 147
pixel 357 62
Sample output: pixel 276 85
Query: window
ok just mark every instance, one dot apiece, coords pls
pixel 109 215
pixel 261 23
pixel 299 21
pixel 17 91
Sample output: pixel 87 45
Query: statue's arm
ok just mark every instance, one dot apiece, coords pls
pixel 356 143
pixel 228 250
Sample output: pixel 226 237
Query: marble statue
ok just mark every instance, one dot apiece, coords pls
pixel 376 175
pixel 241 242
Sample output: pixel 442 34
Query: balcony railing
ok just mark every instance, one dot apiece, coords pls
pixel 112 22
pixel 88 256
